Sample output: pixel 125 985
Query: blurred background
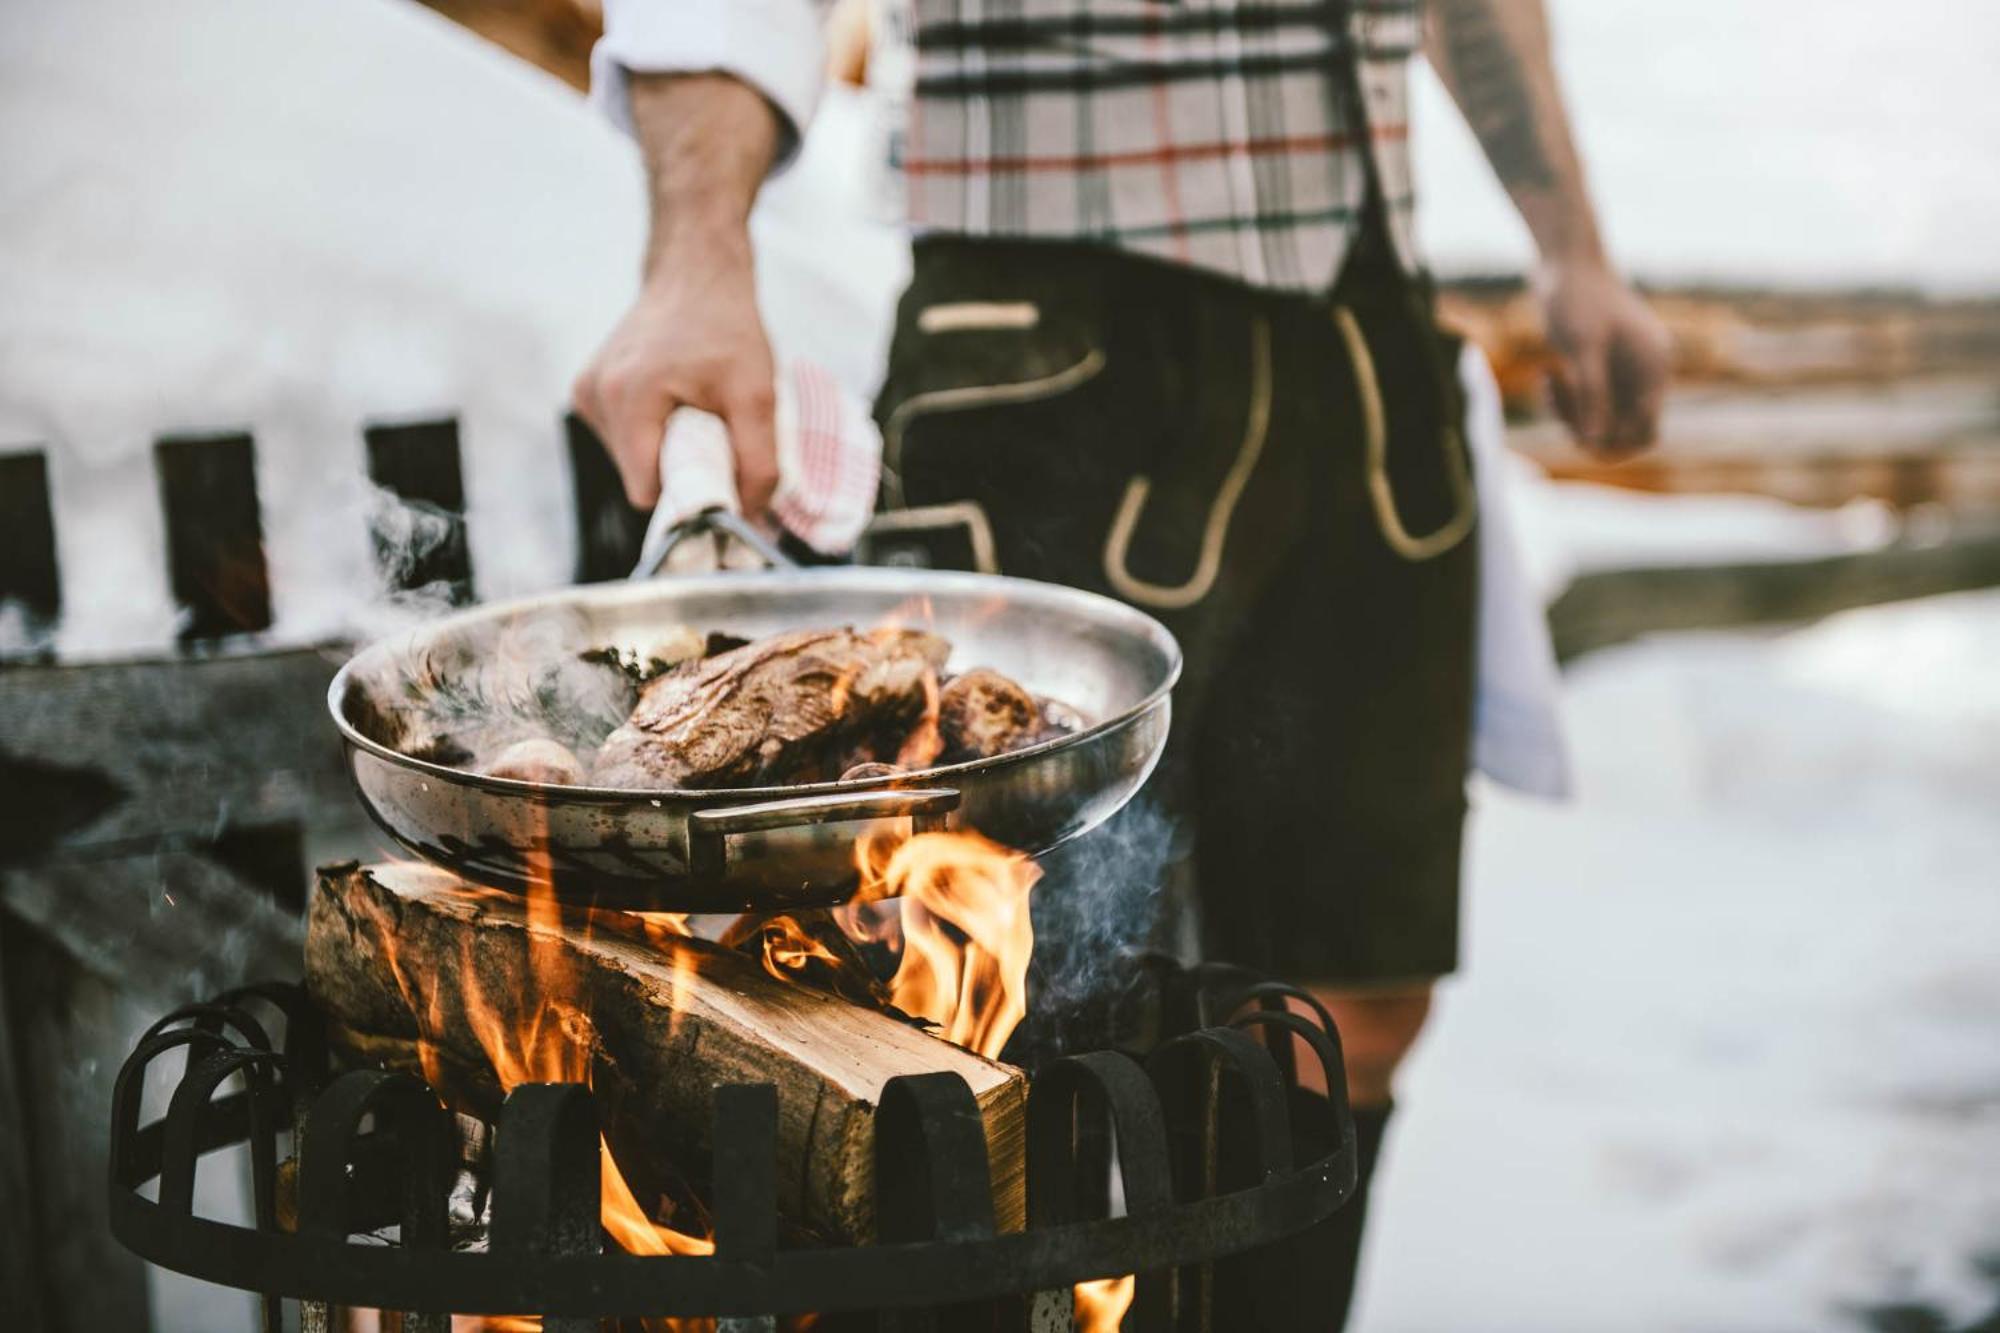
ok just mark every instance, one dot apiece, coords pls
pixel 290 300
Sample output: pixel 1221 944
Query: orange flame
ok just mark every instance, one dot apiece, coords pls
pixel 1101 1304
pixel 538 1034
pixel 788 949
pixel 955 906
pixel 921 748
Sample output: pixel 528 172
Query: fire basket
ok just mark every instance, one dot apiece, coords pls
pixel 1192 1156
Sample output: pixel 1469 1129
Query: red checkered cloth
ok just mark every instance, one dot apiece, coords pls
pixel 829 463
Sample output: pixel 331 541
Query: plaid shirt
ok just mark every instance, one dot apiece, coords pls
pixel 1205 132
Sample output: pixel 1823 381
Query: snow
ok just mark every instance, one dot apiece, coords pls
pixel 1571 528
pixel 292 219
pixel 301 219
pixel 1722 1056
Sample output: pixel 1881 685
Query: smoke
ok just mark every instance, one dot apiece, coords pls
pixel 463 699
pixel 410 538
pixel 22 632
pixel 1101 903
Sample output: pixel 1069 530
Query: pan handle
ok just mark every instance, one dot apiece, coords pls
pixel 662 537
pixel 708 830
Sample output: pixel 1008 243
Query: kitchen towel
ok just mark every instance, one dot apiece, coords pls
pixel 829 464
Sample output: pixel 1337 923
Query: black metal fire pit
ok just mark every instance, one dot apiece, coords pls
pixel 1196 1161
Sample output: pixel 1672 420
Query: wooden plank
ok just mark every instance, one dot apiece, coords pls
pixel 28 573
pixel 165 928
pixel 1616 606
pixel 609 531
pixel 189 748
pixel 425 545
pixel 215 534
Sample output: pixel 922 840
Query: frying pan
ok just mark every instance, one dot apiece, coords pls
pixel 761 848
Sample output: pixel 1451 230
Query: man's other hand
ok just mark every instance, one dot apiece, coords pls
pixel 1612 356
pixel 693 338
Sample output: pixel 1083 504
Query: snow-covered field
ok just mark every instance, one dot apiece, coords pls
pixel 1726 1051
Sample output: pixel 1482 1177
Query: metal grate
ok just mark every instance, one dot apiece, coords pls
pixel 1225 1170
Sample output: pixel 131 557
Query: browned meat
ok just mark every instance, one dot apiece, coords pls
pixel 537 760
pixel 1059 719
pixel 871 769
pixel 774 711
pixel 982 713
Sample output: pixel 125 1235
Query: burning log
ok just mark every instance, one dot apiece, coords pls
pixel 478 990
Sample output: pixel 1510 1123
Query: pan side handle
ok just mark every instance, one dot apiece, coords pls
pixel 709 830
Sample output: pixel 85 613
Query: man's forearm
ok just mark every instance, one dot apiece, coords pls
pixel 693 337
pixel 708 141
pixel 1494 57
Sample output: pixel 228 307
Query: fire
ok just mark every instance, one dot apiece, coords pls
pixel 925 742
pixel 540 1035
pixel 788 949
pixel 1101 1304
pixel 955 907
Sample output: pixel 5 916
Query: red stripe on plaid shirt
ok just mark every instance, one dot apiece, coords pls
pixel 1142 157
pixel 1163 122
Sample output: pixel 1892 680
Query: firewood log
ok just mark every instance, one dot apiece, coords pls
pixel 662 1022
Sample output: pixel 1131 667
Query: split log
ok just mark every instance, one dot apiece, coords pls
pixel 777 710
pixel 663 1021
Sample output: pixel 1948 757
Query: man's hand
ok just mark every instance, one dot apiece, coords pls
pixel 1612 357
pixel 693 337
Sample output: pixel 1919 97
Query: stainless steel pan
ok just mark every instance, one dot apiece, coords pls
pixel 766 847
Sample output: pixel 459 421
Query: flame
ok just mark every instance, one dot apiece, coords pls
pixel 955 907
pixel 921 748
pixel 1101 1304
pixel 538 1034
pixel 788 949
pixel 662 928
pixel 910 613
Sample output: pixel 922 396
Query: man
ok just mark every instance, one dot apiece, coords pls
pixel 1167 338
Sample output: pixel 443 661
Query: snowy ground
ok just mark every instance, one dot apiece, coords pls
pixel 1726 1051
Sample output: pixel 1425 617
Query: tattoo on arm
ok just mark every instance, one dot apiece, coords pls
pixel 1493 91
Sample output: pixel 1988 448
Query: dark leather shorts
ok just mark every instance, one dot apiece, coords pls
pixel 1282 483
